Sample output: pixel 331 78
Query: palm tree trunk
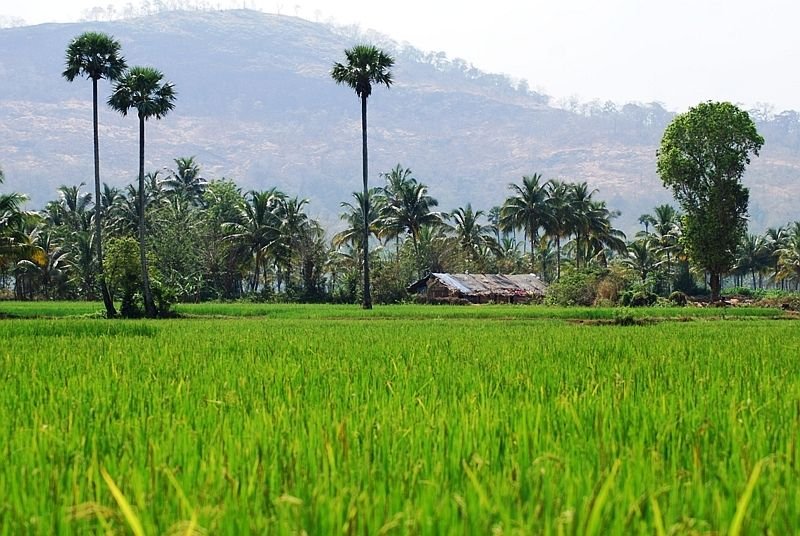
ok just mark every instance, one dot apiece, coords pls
pixel 98 210
pixel 149 306
pixel 367 303
pixel 533 252
pixel 558 257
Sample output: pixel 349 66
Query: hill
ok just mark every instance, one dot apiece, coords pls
pixel 256 104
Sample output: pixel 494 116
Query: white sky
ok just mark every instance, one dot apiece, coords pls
pixel 678 52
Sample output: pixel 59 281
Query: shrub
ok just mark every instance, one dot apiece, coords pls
pixel 678 298
pixel 638 298
pixel 574 288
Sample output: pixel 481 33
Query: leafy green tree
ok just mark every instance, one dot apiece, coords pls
pixel 143 89
pixel 124 273
pixel 702 157
pixel 96 56
pixel 366 64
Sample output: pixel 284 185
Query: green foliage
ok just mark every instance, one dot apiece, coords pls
pixel 573 288
pixel 702 157
pixel 638 298
pixel 123 273
pixel 678 298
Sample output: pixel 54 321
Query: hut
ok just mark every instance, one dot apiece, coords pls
pixel 479 288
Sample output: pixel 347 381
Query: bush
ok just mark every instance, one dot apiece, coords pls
pixel 638 298
pixel 574 288
pixel 678 298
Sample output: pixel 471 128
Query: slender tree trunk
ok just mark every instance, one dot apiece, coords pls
pixel 716 285
pixel 533 252
pixel 558 257
pixel 98 210
pixel 367 303
pixel 149 306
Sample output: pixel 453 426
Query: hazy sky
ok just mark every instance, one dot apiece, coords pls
pixel 678 52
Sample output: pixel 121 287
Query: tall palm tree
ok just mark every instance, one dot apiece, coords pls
pixel 640 257
pixel 366 64
pixel 526 209
pixel 143 89
pixel 560 218
pixel 96 56
pixel 581 205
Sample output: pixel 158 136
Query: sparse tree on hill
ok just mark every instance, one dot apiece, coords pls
pixel 96 56
pixel 366 64
pixel 143 89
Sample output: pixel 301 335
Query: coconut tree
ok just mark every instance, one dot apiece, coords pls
pixel 257 229
pixel 471 235
pixel 413 212
pixel 365 65
pixel 526 209
pixel 186 183
pixel 776 238
pixel 143 89
pixel 398 180
pixel 96 56
pixel 560 218
pixel 601 237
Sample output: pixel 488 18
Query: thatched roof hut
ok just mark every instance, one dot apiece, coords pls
pixel 480 288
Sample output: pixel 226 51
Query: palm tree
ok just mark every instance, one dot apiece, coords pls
pixel 412 213
pixel 141 88
pixel 640 258
pixel 776 238
pixel 96 56
pixel 601 237
pixel 526 209
pixel 256 229
pixel 472 237
pixel 790 256
pixel 11 222
pixel 581 205
pixel 186 183
pixel 560 218
pixel 397 181
pixel 366 64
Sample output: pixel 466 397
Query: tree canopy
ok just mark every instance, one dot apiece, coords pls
pixel 702 157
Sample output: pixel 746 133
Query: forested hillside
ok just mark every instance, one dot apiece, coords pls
pixel 256 104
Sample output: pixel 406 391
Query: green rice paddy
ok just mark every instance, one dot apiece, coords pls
pixel 435 420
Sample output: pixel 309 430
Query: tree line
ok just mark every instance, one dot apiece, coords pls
pixel 174 235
